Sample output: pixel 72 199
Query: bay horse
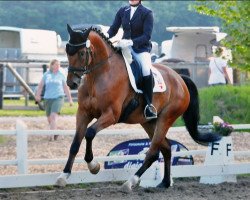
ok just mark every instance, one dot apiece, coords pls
pixel 104 93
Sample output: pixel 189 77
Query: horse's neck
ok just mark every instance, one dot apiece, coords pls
pixel 113 66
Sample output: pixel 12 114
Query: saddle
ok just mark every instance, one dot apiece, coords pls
pixel 135 74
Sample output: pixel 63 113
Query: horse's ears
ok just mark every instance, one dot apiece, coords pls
pixel 70 30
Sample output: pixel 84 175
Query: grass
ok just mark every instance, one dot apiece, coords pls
pixel 231 103
pixel 66 110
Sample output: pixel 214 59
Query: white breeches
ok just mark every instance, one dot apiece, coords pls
pixel 144 59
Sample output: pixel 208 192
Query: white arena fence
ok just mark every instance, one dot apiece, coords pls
pixel 219 165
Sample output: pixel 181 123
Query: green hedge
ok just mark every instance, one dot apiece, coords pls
pixel 231 103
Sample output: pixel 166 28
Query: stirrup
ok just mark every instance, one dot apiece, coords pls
pixel 152 112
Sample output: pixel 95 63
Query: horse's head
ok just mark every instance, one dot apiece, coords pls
pixel 79 55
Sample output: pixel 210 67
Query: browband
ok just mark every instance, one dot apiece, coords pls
pixel 77 45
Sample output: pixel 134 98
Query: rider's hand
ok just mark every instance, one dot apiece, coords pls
pixel 125 43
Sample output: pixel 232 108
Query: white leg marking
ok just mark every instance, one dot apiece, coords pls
pixel 94 167
pixel 171 181
pixel 130 183
pixel 61 180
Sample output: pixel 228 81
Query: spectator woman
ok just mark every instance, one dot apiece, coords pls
pixel 217 69
pixel 55 90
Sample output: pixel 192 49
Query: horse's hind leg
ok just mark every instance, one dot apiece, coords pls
pixel 166 152
pixel 127 186
pixel 162 125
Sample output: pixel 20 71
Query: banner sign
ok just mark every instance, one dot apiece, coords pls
pixel 140 146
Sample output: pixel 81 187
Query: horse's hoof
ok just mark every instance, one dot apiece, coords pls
pixel 126 188
pixel 61 182
pixel 129 184
pixel 96 169
pixel 163 185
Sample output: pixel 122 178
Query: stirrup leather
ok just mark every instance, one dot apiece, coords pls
pixel 153 111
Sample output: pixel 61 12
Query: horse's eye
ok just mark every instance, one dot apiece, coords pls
pixel 81 53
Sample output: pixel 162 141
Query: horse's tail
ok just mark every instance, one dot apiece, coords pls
pixel 192 116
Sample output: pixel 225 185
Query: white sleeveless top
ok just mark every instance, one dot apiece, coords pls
pixel 216 66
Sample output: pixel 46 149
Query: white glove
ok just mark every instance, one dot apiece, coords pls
pixel 125 43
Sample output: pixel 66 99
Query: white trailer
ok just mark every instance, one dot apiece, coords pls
pixel 194 44
pixel 28 50
pixel 28 44
pixel 190 50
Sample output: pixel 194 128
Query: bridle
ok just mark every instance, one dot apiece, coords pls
pixel 85 68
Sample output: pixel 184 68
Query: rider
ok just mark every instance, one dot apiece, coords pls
pixel 137 24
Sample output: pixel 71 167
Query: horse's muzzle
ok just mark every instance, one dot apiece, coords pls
pixel 72 85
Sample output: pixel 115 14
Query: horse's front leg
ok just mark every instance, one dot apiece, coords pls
pixel 93 166
pixel 104 121
pixel 81 126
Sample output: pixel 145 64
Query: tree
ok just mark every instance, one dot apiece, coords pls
pixel 235 22
pixel 54 15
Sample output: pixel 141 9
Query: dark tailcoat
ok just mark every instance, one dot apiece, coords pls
pixel 139 28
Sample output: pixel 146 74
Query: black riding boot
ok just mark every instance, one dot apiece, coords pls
pixel 147 87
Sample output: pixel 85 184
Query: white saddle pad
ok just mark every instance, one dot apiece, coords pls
pixel 159 86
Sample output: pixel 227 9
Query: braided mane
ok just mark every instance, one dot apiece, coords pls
pixel 100 33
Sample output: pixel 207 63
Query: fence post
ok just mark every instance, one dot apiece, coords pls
pixel 1 86
pixel 22 147
pixel 220 152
